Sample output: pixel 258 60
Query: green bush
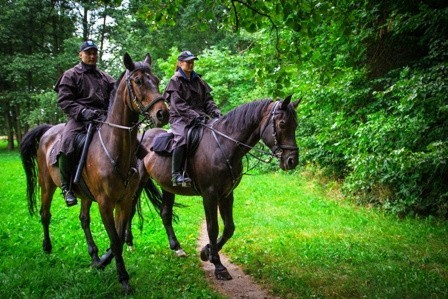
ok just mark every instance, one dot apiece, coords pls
pixel 399 159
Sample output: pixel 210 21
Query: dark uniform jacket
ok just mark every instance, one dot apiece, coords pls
pixel 188 100
pixel 80 87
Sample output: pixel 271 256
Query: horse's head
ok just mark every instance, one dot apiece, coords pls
pixel 278 132
pixel 143 91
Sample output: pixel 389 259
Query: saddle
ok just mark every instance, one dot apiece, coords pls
pixel 80 139
pixel 162 143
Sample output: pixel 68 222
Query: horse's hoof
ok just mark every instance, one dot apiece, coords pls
pixel 126 289
pixel 101 263
pixel 96 264
pixel 47 247
pixel 223 275
pixel 180 253
pixel 205 253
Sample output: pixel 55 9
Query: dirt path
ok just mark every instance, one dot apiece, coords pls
pixel 241 286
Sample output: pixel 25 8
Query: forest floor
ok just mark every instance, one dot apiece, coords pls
pixel 241 286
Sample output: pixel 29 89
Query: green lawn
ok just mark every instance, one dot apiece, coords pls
pixel 289 236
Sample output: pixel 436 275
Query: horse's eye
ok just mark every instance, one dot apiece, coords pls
pixel 138 81
pixel 282 124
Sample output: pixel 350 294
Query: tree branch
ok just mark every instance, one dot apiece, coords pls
pixel 259 13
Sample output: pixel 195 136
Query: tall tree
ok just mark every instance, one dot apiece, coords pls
pixel 39 41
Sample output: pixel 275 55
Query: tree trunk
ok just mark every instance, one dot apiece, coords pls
pixel 9 130
pixel 17 126
pixel 85 24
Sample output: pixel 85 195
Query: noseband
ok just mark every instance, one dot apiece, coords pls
pixel 139 102
pixel 277 149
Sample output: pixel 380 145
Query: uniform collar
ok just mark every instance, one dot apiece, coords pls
pixel 83 68
pixel 193 75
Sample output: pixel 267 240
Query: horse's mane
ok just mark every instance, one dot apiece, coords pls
pixel 242 116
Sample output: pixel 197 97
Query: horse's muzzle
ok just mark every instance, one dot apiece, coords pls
pixel 289 161
pixel 162 117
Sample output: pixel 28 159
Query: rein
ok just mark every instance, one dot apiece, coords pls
pixel 276 152
pixel 143 111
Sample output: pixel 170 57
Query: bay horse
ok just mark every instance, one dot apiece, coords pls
pixel 110 172
pixel 216 167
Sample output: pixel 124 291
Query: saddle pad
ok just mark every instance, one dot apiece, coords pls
pixel 162 144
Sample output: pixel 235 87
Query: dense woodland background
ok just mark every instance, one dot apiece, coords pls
pixel 373 75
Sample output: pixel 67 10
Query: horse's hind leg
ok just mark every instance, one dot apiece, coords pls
pixel 128 235
pixel 166 212
pixel 226 211
pixel 84 217
pixel 47 191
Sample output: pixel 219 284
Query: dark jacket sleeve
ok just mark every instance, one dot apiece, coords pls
pixel 66 89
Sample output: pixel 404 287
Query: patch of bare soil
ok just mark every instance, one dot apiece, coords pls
pixel 241 286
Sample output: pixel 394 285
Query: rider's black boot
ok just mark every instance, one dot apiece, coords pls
pixel 64 171
pixel 178 178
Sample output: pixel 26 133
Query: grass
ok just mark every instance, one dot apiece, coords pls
pixel 290 236
pixel 27 272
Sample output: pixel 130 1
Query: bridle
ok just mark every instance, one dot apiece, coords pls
pixel 143 110
pixel 277 149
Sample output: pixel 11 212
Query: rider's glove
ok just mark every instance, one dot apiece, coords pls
pixel 90 114
pixel 199 120
pixel 216 114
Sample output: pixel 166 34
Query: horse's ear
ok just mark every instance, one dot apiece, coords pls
pixel 128 63
pixel 148 59
pixel 296 103
pixel 286 102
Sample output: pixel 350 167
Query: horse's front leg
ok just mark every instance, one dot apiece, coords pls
pixel 116 237
pixel 166 212
pixel 226 211
pixel 84 217
pixel 210 251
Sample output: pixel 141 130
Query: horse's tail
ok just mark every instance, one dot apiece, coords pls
pixel 28 152
pixel 153 193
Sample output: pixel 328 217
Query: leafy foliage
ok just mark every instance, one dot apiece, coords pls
pixel 372 74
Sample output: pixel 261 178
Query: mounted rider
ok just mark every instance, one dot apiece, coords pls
pixel 190 101
pixel 83 95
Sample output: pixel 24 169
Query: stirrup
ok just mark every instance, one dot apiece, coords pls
pixel 69 198
pixel 179 180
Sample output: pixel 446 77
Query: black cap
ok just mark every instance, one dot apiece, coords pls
pixel 186 56
pixel 88 44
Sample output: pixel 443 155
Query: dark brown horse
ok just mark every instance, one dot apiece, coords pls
pixel 110 172
pixel 216 166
